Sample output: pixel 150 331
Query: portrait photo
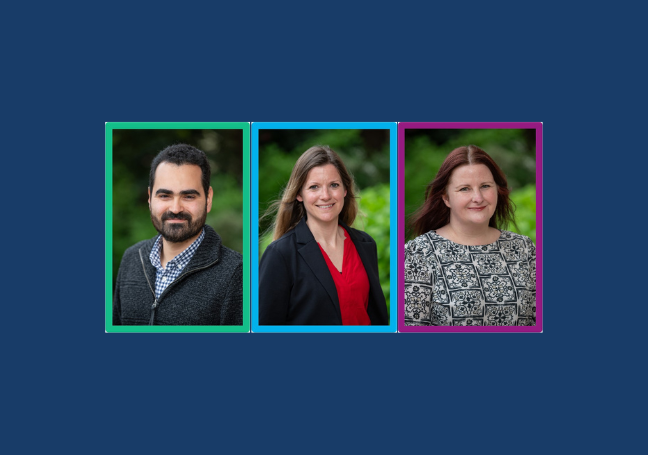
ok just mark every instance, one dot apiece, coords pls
pixel 471 217
pixel 325 229
pixel 176 227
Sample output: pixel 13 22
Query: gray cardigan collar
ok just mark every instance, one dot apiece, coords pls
pixel 207 254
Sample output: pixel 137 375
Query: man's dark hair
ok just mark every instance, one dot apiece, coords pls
pixel 179 154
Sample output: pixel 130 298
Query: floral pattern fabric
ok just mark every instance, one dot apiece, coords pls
pixel 451 284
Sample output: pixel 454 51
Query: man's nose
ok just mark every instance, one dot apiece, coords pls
pixel 176 205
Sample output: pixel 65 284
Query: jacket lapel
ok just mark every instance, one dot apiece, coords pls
pixel 312 255
pixel 366 253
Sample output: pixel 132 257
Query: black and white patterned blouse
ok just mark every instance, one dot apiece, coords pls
pixel 451 284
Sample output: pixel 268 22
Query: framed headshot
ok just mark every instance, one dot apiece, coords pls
pixel 325 227
pixel 470 212
pixel 177 227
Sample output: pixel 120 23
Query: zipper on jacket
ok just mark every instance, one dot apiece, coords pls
pixel 153 307
pixel 156 302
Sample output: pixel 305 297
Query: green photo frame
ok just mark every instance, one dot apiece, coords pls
pixel 130 148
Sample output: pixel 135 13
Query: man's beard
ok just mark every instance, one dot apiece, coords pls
pixel 178 232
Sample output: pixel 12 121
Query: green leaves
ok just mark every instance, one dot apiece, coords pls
pixel 525 211
pixel 374 220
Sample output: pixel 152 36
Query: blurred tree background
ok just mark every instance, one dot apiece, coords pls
pixel 512 149
pixel 365 154
pixel 133 151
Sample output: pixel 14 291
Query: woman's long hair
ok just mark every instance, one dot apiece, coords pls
pixel 434 214
pixel 289 210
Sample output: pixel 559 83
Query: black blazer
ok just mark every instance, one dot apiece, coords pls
pixel 296 286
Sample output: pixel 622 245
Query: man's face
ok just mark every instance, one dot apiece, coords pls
pixel 177 201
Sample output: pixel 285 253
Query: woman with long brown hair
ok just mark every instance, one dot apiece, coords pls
pixel 464 268
pixel 318 270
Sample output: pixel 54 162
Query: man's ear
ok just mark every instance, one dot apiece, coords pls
pixel 210 196
pixel 149 196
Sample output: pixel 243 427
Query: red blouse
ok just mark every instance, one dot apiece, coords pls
pixel 352 284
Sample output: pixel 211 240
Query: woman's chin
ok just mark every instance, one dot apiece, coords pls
pixel 326 218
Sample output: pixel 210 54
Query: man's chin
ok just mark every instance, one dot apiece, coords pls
pixel 178 234
pixel 175 237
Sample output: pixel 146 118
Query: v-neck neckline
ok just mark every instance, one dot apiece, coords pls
pixel 344 251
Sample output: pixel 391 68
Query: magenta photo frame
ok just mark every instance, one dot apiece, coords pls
pixel 402 127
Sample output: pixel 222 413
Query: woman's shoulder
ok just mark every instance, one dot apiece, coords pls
pixel 422 239
pixel 508 235
pixel 283 245
pixel 359 235
pixel 421 244
pixel 287 239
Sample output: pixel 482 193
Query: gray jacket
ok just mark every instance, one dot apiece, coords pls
pixel 209 291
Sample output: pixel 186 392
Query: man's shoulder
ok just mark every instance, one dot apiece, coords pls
pixel 231 256
pixel 212 246
pixel 134 249
pixel 130 266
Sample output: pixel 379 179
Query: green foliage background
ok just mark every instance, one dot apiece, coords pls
pixel 133 151
pixel 512 149
pixel 366 155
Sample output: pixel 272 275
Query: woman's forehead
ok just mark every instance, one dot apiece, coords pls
pixel 327 172
pixel 471 172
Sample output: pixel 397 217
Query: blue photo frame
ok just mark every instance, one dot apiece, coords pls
pixel 393 235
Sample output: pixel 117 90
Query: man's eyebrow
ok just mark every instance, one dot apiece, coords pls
pixel 182 193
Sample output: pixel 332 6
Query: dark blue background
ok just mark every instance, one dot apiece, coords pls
pixel 69 387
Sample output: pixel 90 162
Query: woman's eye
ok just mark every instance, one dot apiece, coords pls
pixel 464 189
pixel 312 187
pixel 486 186
pixel 335 185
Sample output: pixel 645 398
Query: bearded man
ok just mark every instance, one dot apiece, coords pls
pixel 184 275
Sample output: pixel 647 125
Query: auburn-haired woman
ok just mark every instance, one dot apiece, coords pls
pixel 463 269
pixel 318 270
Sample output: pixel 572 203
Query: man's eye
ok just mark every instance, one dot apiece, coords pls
pixel 190 197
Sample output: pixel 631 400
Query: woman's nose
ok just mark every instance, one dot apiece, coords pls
pixel 477 196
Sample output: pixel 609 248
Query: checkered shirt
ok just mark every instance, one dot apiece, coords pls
pixel 164 277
